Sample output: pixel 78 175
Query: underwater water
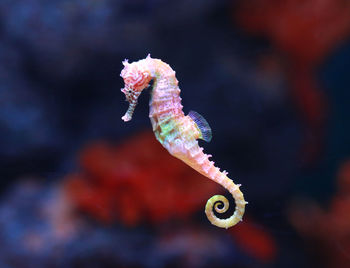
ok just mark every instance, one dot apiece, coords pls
pixel 82 188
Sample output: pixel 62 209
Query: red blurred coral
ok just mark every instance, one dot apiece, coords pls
pixel 254 240
pixel 305 31
pixel 328 231
pixel 136 181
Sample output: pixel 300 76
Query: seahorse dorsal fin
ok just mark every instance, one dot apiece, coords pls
pixel 202 125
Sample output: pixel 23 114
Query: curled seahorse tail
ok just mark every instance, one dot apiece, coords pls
pixel 215 201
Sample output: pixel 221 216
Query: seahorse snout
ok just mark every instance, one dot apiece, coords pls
pixel 131 97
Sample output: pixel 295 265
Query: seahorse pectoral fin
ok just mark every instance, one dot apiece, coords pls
pixel 202 124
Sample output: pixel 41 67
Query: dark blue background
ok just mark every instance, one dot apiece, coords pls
pixel 60 89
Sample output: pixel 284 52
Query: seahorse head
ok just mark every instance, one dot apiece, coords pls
pixel 136 77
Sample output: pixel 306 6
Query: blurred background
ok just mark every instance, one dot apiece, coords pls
pixel 81 188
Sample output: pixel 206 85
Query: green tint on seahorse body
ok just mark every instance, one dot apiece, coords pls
pixel 168 129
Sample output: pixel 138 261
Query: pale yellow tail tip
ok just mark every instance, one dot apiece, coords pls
pixel 236 217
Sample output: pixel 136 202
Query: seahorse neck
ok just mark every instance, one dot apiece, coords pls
pixel 166 89
pixel 165 103
pixel 165 95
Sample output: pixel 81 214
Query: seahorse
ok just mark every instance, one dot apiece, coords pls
pixel 178 132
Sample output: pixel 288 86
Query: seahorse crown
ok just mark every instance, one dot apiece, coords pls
pixel 136 77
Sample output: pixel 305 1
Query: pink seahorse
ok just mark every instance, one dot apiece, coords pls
pixel 179 133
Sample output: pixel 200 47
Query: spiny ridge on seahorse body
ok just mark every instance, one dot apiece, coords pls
pixel 178 132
